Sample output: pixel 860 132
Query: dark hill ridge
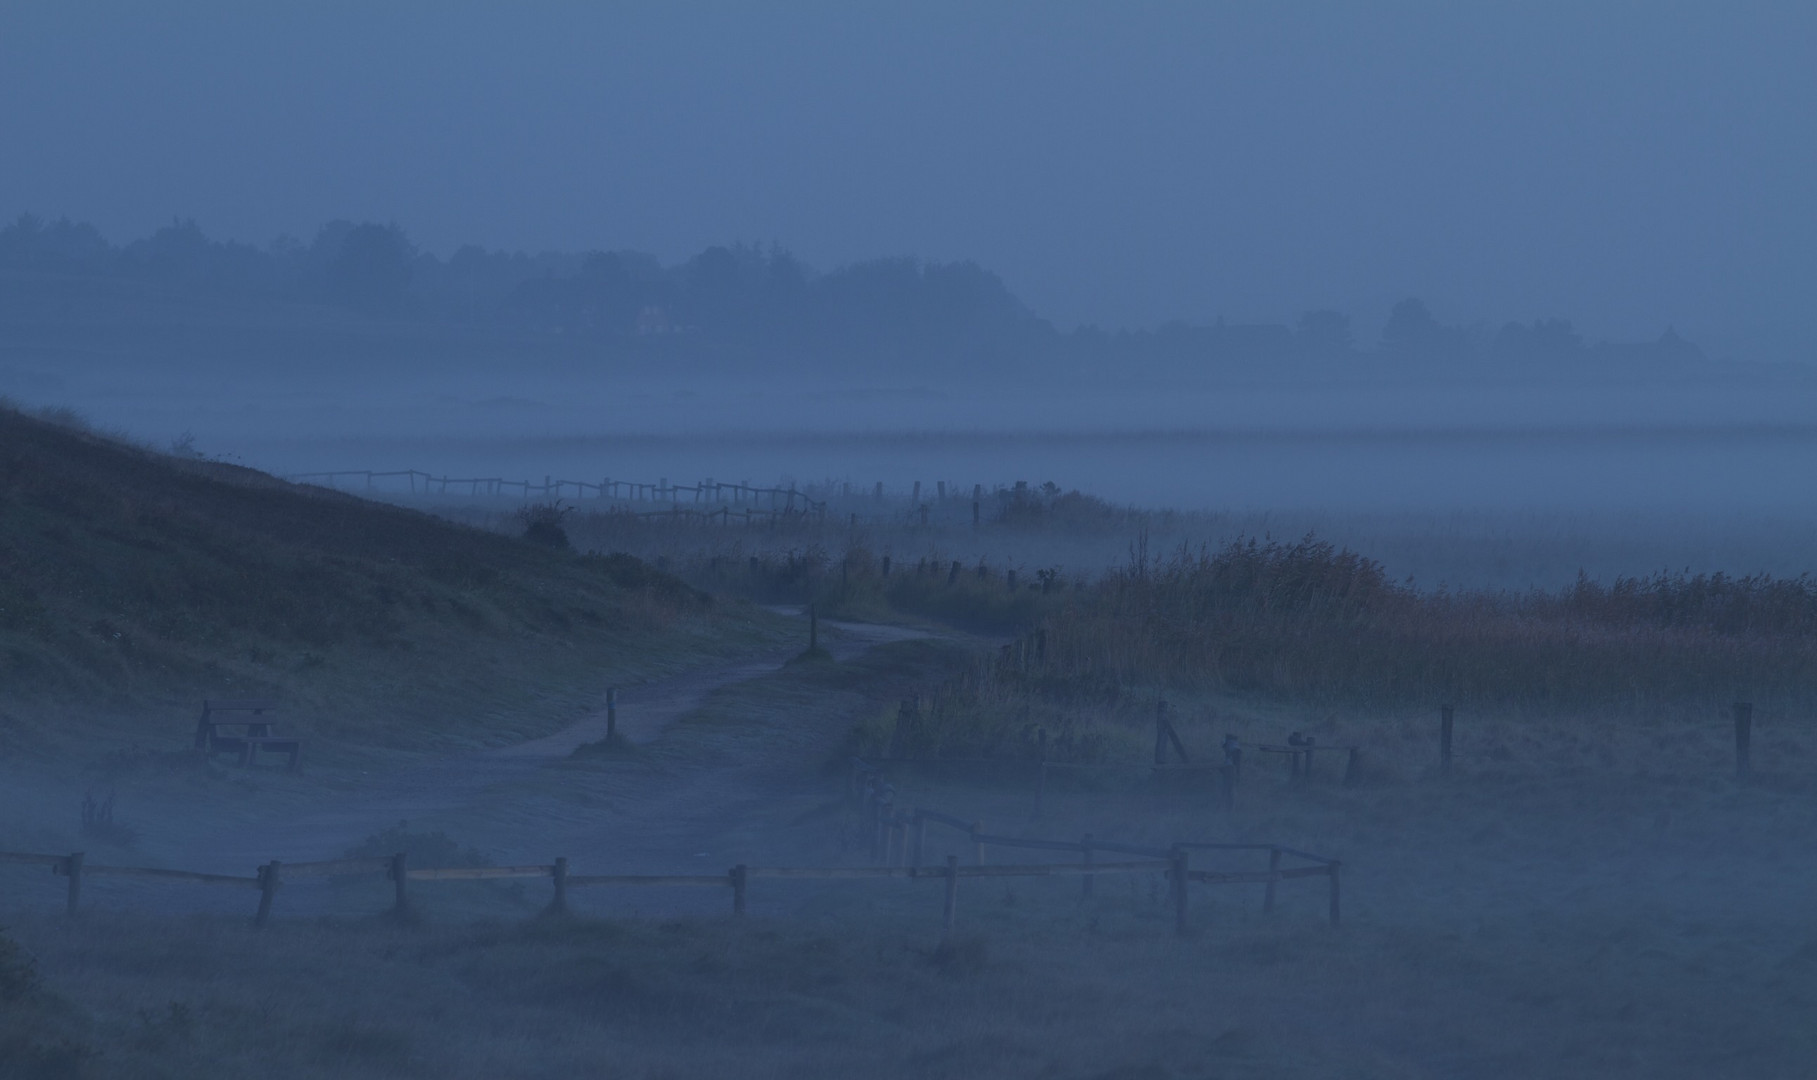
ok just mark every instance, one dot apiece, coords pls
pixel 133 584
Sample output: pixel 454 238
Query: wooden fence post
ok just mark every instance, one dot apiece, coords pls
pixel 1444 738
pixel 1274 867
pixel 268 889
pixel 558 904
pixel 1040 770
pixel 739 876
pixel 952 894
pixel 1178 872
pixel 1335 915
pixel 1086 880
pixel 977 842
pixel 400 880
pixel 1744 739
pixel 72 868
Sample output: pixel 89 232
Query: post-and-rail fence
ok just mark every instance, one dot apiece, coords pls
pixel 901 862
pixel 704 500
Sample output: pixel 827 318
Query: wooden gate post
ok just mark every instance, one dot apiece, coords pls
pixel 739 877
pixel 72 868
pixel 1444 738
pixel 268 889
pixel 952 894
pixel 1744 739
pixel 400 882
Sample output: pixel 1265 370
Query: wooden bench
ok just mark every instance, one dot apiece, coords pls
pixel 252 724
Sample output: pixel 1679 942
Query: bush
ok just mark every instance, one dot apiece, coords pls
pixel 543 523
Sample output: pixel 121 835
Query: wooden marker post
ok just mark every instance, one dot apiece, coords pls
pixel 268 890
pixel 1744 740
pixel 1274 867
pixel 400 881
pixel 72 869
pixel 1178 873
pixel 952 894
pixel 1040 769
pixel 558 904
pixel 1444 738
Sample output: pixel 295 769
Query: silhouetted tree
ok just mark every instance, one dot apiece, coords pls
pixel 371 269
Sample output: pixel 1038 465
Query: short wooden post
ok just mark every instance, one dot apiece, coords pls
pixel 558 904
pixel 1444 738
pixel 978 842
pixel 72 868
pixel 400 883
pixel 1178 872
pixel 1744 739
pixel 1274 867
pixel 1040 770
pixel 952 894
pixel 1335 913
pixel 268 889
pixel 1086 880
pixel 611 713
pixel 739 876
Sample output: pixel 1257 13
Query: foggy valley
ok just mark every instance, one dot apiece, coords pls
pixel 1067 541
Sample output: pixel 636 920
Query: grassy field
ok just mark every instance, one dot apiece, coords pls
pixel 1589 892
pixel 133 584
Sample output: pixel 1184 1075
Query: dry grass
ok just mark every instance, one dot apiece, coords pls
pixel 133 583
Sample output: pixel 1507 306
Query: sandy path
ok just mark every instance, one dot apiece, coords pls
pixel 496 795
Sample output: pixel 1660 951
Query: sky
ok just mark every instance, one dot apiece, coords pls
pixel 1627 165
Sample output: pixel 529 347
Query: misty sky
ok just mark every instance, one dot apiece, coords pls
pixel 1627 165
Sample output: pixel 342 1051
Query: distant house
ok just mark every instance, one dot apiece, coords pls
pixel 653 319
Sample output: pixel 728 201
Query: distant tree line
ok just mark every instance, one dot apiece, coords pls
pixel 763 301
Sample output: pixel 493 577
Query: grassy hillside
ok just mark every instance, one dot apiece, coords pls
pixel 132 584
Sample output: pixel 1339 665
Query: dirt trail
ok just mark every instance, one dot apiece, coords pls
pixel 502 799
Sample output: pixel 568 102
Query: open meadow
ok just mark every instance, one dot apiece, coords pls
pixel 1595 886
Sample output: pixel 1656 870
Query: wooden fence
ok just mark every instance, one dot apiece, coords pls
pixel 705 491
pixel 1172 862
pixel 898 837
